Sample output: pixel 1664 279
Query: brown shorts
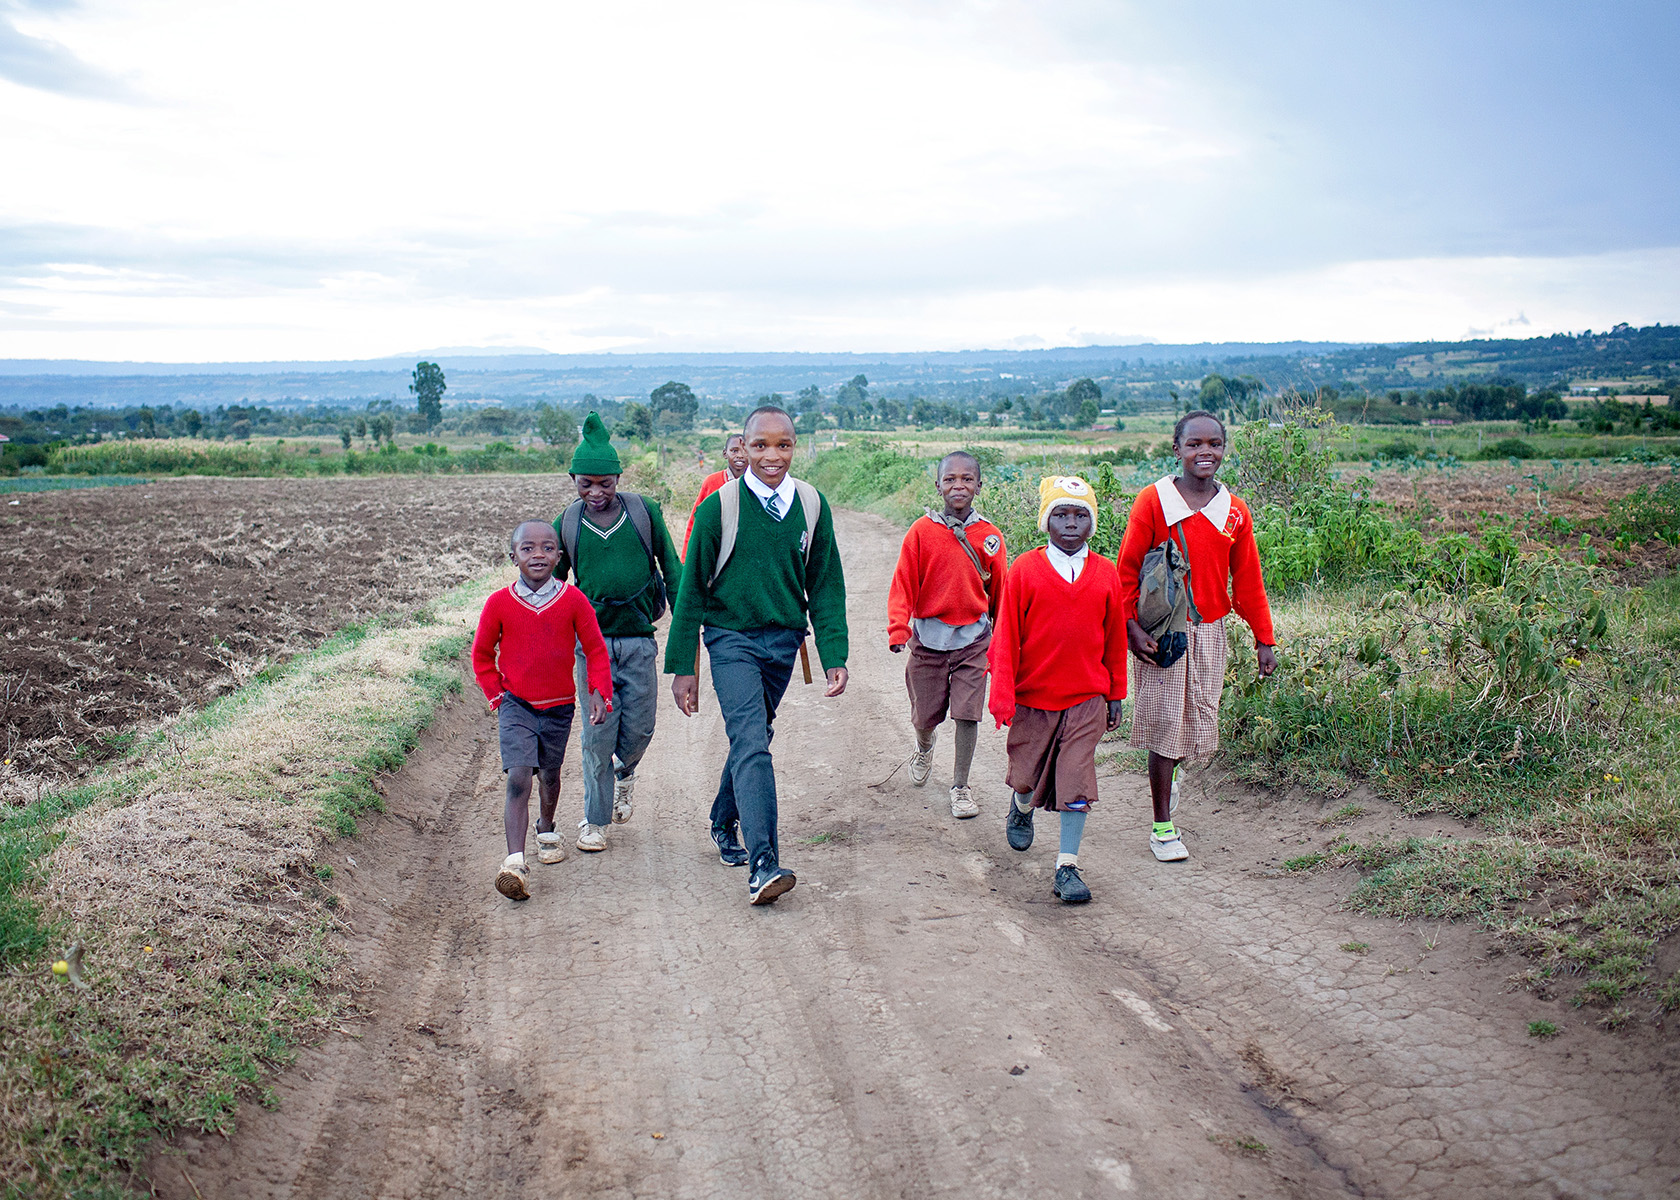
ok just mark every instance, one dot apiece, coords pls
pixel 1053 755
pixel 941 680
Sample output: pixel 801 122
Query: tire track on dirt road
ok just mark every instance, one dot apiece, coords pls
pixel 919 1018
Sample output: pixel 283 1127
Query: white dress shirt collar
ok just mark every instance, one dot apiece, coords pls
pixel 1174 508
pixel 1068 566
pixel 784 491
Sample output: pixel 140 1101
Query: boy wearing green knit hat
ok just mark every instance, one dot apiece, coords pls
pixel 619 552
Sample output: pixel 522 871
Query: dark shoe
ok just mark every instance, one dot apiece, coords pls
pixel 1069 887
pixel 730 851
pixel 1018 825
pixel 769 882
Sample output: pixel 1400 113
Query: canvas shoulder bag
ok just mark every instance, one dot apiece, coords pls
pixel 1166 607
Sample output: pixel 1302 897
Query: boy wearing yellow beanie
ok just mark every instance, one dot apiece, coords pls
pixel 1058 662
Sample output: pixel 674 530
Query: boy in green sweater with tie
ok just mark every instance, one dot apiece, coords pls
pixel 615 545
pixel 761 557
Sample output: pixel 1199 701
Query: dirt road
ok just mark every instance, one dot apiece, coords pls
pixel 919 1017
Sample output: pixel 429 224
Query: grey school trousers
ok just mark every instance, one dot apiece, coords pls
pixel 625 734
pixel 750 672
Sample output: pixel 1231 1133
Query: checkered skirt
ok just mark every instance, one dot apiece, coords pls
pixel 1175 711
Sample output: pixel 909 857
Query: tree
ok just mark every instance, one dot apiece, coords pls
pixel 673 405
pixel 854 391
pixel 428 387
pixel 637 422
pixel 557 426
pixel 344 438
pixel 191 421
pixel 361 427
pixel 1081 390
pixel 810 398
pixel 494 420
pixel 148 421
pixel 1088 412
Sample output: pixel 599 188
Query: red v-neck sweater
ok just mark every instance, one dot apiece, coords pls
pixel 528 651
pixel 1057 643
pixel 1224 564
pixel 935 579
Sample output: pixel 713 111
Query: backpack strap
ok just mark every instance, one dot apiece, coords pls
pixel 637 507
pixel 569 532
pixel 729 498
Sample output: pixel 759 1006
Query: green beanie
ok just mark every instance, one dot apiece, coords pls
pixel 595 455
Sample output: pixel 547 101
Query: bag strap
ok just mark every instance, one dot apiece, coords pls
pixel 961 532
pixel 637 507
pixel 1192 613
pixel 729 497
pixel 569 532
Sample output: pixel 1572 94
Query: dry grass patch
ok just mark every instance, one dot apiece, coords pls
pixel 184 873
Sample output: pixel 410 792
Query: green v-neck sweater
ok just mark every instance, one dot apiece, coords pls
pixel 615 567
pixel 766 581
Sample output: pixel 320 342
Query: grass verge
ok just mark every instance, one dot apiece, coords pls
pixel 185 874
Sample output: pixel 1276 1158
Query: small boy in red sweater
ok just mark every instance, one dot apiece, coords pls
pixel 943 604
pixel 523 659
pixel 1059 673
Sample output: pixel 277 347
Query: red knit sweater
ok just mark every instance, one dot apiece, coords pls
pixel 708 485
pixel 935 579
pixel 1224 564
pixel 528 651
pixel 1058 643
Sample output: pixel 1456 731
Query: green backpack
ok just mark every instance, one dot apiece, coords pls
pixel 1166 608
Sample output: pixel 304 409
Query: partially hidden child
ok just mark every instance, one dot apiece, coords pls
pixel 1058 663
pixel 942 608
pixel 1175 709
pixel 522 658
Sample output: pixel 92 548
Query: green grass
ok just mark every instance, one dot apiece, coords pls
pixel 51 483
pixel 1542 1029
pixel 1360 948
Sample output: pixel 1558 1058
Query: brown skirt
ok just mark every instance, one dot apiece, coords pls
pixel 1175 711
pixel 1053 755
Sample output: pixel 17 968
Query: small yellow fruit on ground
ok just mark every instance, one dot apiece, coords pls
pixel 61 967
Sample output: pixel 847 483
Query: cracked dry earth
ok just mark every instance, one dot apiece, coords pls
pixel 919 1017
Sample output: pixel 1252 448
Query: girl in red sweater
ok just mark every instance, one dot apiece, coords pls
pixel 1175 714
pixel 1059 673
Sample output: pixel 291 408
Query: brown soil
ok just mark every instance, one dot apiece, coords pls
pixel 123 605
pixel 919 1017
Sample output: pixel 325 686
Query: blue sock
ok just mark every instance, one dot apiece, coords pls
pixel 1073 829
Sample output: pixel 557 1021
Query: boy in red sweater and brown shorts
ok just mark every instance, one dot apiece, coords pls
pixel 943 604
pixel 1059 673
pixel 523 659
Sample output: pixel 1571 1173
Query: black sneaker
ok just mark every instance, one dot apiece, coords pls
pixel 768 882
pixel 1069 888
pixel 1018 826
pixel 728 841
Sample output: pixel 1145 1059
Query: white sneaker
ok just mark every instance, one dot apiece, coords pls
pixel 549 848
pixel 624 791
pixel 921 766
pixel 510 880
pixel 592 838
pixel 1170 850
pixel 962 804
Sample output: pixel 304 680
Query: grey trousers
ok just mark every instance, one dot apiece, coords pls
pixel 612 749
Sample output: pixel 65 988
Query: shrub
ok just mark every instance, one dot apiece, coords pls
pixel 1509 448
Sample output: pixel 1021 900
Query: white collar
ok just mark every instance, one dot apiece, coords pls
pixel 783 491
pixel 537 596
pixel 1173 507
pixel 1068 566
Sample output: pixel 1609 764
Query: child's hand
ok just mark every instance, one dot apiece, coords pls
pixel 497 702
pixel 598 708
pixel 1268 659
pixel 1114 708
pixel 685 690
pixel 1002 717
pixel 837 677
pixel 897 648
pixel 1141 643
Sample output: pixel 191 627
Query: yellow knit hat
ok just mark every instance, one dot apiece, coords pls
pixel 1064 489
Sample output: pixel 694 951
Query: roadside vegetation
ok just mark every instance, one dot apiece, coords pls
pixel 187 886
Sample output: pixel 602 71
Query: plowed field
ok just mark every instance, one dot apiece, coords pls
pixel 121 606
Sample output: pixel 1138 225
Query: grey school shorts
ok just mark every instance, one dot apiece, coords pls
pixel 532 738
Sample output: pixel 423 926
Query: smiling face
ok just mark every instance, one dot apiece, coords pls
pixel 770 443
pixel 735 455
pixel 535 549
pixel 959 483
pixel 1069 526
pixel 1200 448
pixel 596 491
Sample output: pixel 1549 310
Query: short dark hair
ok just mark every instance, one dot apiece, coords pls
pixel 939 472
pixel 1178 429
pixel 764 410
pixel 513 538
pixel 733 436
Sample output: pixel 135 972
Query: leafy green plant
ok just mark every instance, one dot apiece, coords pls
pixel 1542 1029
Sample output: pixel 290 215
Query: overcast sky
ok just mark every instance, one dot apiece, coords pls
pixel 225 179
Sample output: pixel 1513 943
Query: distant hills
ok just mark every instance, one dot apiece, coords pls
pixel 487 374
